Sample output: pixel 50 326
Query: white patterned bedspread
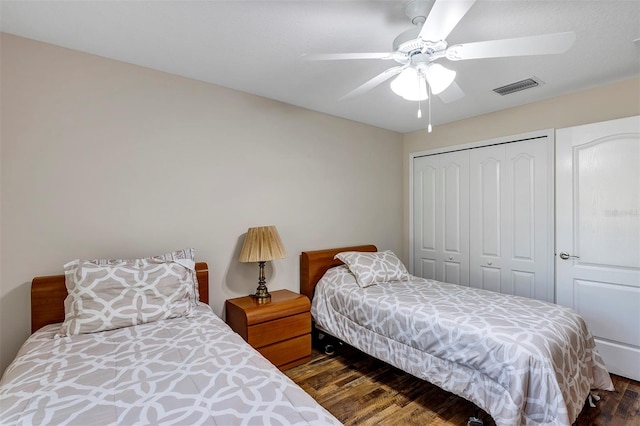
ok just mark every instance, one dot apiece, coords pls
pixel 182 371
pixel 523 361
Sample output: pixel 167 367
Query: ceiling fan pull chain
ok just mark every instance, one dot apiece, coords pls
pixel 429 128
pixel 419 110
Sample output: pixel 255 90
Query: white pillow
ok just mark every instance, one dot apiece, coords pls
pixel 374 267
pixel 108 294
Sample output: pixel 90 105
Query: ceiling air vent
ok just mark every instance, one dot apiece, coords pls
pixel 517 86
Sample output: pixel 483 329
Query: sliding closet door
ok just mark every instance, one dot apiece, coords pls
pixel 441 217
pixel 511 222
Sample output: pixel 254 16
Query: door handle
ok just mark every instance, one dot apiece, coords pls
pixel 564 255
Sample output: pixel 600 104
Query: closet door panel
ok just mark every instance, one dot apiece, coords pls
pixel 523 206
pixel 490 279
pixel 425 192
pixel 441 217
pixel 489 187
pixel 488 240
pixel 528 218
pixel 426 269
pixel 523 284
pixel 454 256
pixel 510 225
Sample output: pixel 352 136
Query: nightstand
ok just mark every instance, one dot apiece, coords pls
pixel 279 329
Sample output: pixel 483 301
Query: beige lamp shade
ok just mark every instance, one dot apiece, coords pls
pixel 262 244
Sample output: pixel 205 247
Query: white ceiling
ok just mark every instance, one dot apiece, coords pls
pixel 257 47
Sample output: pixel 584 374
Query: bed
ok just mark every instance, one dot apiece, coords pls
pixel 521 360
pixel 182 369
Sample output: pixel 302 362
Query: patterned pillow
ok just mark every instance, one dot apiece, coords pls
pixel 373 268
pixel 108 294
pixel 185 257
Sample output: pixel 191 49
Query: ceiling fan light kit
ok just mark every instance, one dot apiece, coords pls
pixel 416 51
pixel 411 83
pixel 439 77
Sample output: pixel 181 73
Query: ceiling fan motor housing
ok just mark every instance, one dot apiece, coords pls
pixel 408 43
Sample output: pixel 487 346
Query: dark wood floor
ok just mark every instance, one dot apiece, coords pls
pixel 360 390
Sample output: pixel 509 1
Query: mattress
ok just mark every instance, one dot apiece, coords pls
pixel 523 361
pixel 188 370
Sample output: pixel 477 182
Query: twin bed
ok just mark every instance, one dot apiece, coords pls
pixel 523 361
pixel 152 351
pixel 185 370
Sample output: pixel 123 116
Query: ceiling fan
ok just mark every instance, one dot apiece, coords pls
pixel 419 49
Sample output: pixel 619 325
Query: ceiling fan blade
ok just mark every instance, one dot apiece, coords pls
pixel 443 18
pixel 343 56
pixel 451 93
pixel 546 44
pixel 375 81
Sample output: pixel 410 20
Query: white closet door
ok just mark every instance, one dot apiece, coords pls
pixel 441 217
pixel 489 237
pixel 511 223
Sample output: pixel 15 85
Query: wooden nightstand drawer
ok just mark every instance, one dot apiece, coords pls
pixel 286 354
pixel 279 328
pixel 274 331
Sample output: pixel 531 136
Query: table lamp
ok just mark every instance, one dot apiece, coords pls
pixel 261 245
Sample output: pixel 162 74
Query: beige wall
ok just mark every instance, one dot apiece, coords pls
pixel 104 159
pixel 616 100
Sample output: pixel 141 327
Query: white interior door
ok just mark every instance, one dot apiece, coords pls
pixel 441 217
pixel 598 235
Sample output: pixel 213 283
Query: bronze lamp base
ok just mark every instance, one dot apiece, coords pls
pixel 262 293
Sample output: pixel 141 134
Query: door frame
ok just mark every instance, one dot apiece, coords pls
pixel 546 133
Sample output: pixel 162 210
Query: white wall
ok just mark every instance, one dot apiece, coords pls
pixel 616 100
pixel 104 159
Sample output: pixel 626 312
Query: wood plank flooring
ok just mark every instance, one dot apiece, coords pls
pixel 360 390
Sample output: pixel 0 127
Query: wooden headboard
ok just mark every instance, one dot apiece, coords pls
pixel 313 265
pixel 48 294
